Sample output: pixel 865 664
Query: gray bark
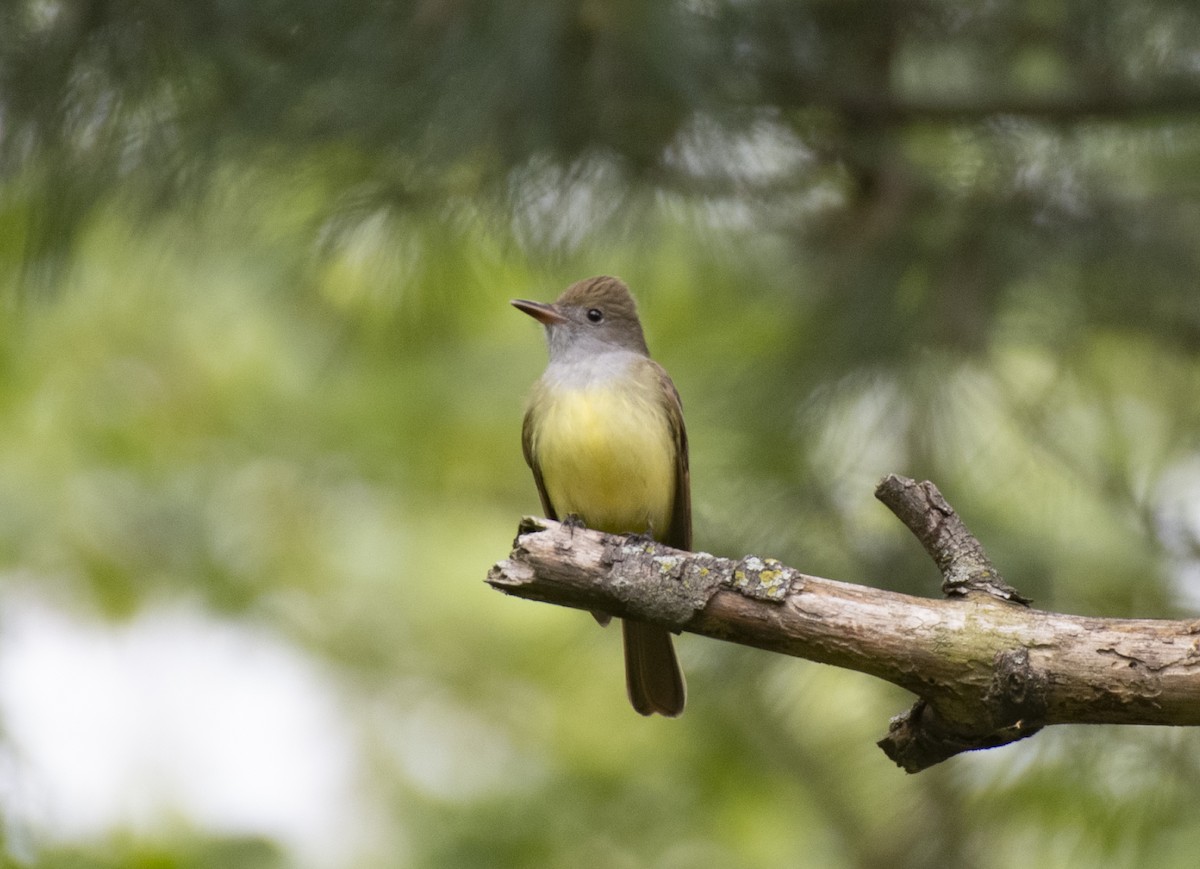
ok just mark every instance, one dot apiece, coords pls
pixel 987 669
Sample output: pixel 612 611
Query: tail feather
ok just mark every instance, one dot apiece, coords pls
pixel 652 673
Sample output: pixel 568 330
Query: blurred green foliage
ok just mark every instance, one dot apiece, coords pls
pixel 256 355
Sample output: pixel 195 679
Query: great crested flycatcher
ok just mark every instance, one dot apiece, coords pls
pixel 604 437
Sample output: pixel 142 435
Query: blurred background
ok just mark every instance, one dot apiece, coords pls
pixel 261 395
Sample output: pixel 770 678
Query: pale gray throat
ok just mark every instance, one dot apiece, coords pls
pixel 574 366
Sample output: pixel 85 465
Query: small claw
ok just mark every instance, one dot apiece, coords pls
pixel 573 521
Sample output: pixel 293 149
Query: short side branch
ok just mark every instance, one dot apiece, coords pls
pixel 958 554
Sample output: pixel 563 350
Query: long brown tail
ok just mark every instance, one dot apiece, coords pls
pixel 652 673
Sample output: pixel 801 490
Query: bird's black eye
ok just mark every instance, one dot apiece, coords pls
pixel 595 315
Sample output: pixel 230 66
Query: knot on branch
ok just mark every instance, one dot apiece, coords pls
pixel 1016 696
pixel 1013 707
pixel 958 554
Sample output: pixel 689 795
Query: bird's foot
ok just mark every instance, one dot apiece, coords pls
pixel 572 521
pixel 642 538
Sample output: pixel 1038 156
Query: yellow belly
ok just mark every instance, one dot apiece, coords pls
pixel 608 457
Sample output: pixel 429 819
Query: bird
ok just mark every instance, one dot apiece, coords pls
pixel 604 436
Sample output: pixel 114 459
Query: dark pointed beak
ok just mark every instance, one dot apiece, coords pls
pixel 545 314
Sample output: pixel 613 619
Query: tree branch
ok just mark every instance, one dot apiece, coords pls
pixel 987 669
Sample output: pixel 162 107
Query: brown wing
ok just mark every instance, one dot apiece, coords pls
pixel 531 460
pixel 679 534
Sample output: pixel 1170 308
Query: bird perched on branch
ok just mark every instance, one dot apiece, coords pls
pixel 605 439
